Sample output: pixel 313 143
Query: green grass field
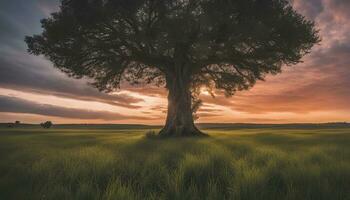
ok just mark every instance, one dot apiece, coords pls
pixel 120 163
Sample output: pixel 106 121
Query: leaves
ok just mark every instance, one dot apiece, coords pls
pixel 225 44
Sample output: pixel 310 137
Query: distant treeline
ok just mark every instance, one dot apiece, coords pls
pixel 86 126
pixel 292 125
pixel 200 125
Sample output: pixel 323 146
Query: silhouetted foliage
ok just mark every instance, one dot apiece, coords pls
pixel 185 45
pixel 47 124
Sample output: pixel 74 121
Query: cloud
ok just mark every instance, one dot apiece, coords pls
pixel 48 6
pixel 18 105
pixel 311 8
pixel 321 83
pixel 23 72
pixel 33 74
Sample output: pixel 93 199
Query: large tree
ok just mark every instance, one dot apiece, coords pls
pixel 184 44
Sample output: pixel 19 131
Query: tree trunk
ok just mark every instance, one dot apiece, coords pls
pixel 179 121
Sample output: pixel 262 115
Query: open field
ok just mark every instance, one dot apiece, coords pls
pixel 82 162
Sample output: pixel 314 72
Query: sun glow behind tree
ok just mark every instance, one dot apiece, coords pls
pixel 183 45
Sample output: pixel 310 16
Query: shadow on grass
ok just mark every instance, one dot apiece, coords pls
pixel 85 164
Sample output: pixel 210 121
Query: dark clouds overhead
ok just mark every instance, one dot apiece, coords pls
pixel 24 72
pixel 29 74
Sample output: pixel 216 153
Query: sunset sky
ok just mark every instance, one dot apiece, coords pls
pixel 32 90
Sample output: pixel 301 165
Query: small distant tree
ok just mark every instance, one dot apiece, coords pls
pixel 46 124
pixel 17 123
pixel 219 44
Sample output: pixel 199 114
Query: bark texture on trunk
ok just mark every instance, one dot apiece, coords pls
pixel 179 121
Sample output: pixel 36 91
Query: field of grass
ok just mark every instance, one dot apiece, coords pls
pixel 120 163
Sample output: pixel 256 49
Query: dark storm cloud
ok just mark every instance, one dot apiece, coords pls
pixel 17 105
pixel 30 74
pixel 23 72
pixel 9 32
pixel 19 18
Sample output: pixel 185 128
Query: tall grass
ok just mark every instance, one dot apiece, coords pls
pixel 121 164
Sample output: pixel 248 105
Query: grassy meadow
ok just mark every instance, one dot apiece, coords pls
pixel 82 162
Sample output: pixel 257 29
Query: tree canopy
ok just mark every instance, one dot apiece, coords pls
pixel 221 44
